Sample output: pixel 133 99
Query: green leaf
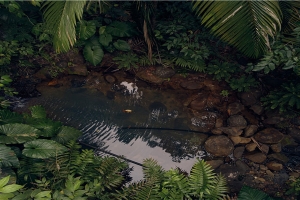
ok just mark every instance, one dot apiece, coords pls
pixel 120 29
pixel 10 188
pixel 8 157
pixel 6 196
pixel 47 127
pixel 121 45
pixel 42 148
pixel 86 29
pixel 67 134
pixel 4 181
pixel 38 111
pixel 17 133
pixel 43 194
pixel 248 193
pixel 7 117
pixel 93 52
pixel 105 39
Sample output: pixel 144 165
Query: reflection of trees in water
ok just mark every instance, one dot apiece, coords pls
pixel 95 117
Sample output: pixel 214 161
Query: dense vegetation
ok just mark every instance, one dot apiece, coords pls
pixel 189 37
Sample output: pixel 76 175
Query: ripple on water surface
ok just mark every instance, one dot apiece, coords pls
pixel 106 126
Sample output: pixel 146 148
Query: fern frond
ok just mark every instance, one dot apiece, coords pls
pixel 218 190
pixel 201 178
pixel 60 17
pixel 152 169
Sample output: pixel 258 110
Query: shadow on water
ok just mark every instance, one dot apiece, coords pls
pixel 106 126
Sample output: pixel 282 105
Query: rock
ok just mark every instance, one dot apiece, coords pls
pixel 199 103
pixel 281 178
pixel 279 156
pixel 251 118
pixel 217 131
pixel 276 147
pixel 250 130
pixel 109 78
pixel 164 72
pixel 54 83
pixel 294 133
pixel 149 76
pixel 235 139
pixel 273 120
pixel 274 166
pixel 256 157
pixel 257 109
pixel 192 84
pixel 26 87
pixel 245 140
pixel 235 108
pixel 156 105
pixel 78 69
pixel 219 145
pixel 203 121
pixel 270 174
pixel 264 148
pixel 77 83
pixel 269 136
pixel 263 167
pixel 219 123
pixel 215 163
pixel 238 152
pixel 250 98
pixel 232 131
pixel 213 86
pixel 288 141
pixel 243 167
pixel 213 100
pixel 236 120
pixel 251 147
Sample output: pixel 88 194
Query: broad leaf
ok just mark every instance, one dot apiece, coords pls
pixel 38 111
pixel 17 133
pixel 47 127
pixel 8 157
pixel 105 39
pixel 120 29
pixel 66 134
pixel 244 24
pixel 86 29
pixel 42 148
pixel 121 45
pixel 93 52
pixel 7 117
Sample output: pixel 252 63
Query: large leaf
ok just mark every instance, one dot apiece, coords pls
pixel 244 24
pixel 93 52
pixel 121 45
pixel 60 17
pixel 86 29
pixel 7 116
pixel 17 133
pixel 8 157
pixel 120 29
pixel 66 134
pixel 38 111
pixel 42 148
pixel 105 39
pixel 47 127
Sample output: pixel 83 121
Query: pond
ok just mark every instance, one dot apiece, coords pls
pixel 136 121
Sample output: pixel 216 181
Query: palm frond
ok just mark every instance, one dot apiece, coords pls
pixel 243 24
pixel 60 17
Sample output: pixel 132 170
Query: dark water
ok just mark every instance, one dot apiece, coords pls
pixel 106 126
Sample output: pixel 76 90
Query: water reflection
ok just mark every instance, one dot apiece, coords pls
pixel 106 126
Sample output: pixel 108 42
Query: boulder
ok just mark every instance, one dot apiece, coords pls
pixel 232 131
pixel 164 72
pixel 294 133
pixel 235 139
pixel 257 109
pixel 279 156
pixel 256 157
pixel 219 145
pixel 215 163
pixel 250 130
pixel 269 136
pixel 249 98
pixel 238 152
pixel 251 147
pixel 274 166
pixel 276 147
pixel 203 121
pixel 236 121
pixel 235 108
pixel 192 84
pixel 199 103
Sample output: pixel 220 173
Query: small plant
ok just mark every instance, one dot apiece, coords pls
pixel 222 70
pixel 287 97
pixel 7 191
pixel 127 61
pixel 247 193
pixel 224 93
pixel 294 186
pixel 242 84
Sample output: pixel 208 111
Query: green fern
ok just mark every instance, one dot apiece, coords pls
pixel 248 193
pixel 222 70
pixel 244 83
pixel 190 63
pixel 38 112
pixel 285 98
pixel 6 117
